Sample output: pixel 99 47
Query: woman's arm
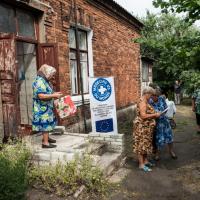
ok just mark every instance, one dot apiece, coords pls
pixel 143 113
pixel 47 97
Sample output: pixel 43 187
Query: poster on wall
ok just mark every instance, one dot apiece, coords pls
pixel 103 105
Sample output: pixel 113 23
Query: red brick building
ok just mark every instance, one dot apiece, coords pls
pixel 33 32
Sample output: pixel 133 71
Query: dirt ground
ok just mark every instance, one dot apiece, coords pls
pixel 170 179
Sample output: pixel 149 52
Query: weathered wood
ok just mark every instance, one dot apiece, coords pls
pixel 8 77
pixel 48 54
pixel 1 119
pixel 6 87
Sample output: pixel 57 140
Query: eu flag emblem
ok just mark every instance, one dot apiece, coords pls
pixel 104 126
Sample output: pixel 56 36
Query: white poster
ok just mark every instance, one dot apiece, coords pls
pixel 103 105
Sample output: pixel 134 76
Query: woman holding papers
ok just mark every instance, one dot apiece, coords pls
pixel 44 119
pixel 163 132
pixel 144 125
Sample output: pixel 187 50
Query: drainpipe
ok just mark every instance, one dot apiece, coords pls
pixel 79 67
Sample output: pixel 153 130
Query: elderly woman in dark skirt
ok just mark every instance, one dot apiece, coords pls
pixel 43 107
pixel 144 125
pixel 163 131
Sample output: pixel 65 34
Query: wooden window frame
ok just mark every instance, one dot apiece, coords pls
pixel 75 50
pixel 36 25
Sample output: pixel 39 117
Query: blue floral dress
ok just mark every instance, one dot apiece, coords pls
pixel 196 96
pixel 164 133
pixel 43 111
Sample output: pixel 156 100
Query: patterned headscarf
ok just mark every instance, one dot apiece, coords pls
pixel 47 71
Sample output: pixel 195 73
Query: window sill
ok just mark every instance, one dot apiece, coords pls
pixel 78 99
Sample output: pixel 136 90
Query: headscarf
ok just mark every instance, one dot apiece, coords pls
pixel 47 71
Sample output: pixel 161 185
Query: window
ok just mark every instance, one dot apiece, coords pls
pixel 7 19
pixel 16 21
pixel 82 60
pixel 145 72
pixel 25 24
pixel 27 71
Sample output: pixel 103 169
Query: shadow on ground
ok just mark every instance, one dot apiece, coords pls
pixel 171 179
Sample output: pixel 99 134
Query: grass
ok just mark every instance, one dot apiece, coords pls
pixel 14 162
pixel 64 179
pixel 18 173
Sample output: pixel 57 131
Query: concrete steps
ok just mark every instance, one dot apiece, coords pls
pixel 71 145
pixel 108 162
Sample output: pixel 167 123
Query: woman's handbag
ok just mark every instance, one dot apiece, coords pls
pixel 65 106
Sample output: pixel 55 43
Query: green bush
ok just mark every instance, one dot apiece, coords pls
pixel 191 80
pixel 65 179
pixel 14 160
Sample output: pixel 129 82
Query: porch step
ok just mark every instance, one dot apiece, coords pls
pixel 109 162
pixel 95 148
pixel 68 146
pixel 58 130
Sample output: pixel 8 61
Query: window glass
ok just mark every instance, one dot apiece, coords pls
pixel 72 38
pixel 83 57
pixel 82 40
pixel 7 19
pixel 74 70
pixel 145 72
pixel 84 71
pixel 74 76
pixel 25 24
pixel 72 55
pixel 27 70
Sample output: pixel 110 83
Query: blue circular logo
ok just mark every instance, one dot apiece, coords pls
pixel 101 89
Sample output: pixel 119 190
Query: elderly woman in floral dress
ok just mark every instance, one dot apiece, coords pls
pixel 144 125
pixel 43 107
pixel 163 131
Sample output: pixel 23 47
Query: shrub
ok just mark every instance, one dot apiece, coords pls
pixel 65 179
pixel 14 160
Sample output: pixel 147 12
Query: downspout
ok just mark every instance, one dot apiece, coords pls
pixel 79 67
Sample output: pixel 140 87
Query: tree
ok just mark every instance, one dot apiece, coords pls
pixel 173 44
pixel 190 7
pixel 191 80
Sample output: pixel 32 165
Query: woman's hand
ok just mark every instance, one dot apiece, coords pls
pixel 57 95
pixel 158 114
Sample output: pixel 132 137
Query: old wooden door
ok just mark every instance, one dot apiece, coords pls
pixel 8 83
pixel 48 55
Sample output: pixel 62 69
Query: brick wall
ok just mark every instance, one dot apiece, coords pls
pixel 114 53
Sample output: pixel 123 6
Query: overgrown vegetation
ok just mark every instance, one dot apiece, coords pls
pixel 191 80
pixel 14 162
pixel 175 46
pixel 65 179
pixel 190 7
pixel 18 173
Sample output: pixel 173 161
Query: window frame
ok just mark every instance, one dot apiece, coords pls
pixel 16 33
pixel 75 50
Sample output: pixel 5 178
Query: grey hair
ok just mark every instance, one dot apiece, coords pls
pixel 157 92
pixel 148 90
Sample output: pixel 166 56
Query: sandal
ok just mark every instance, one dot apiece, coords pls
pixel 50 140
pixel 150 164
pixel 145 169
pixel 47 146
pixel 157 158
pixel 173 156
